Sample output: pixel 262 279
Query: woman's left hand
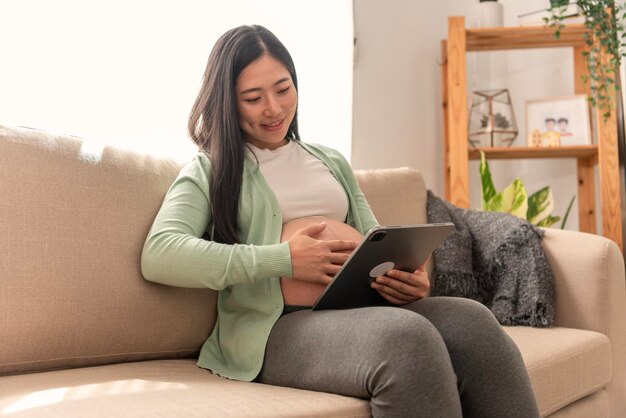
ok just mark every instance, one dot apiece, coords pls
pixel 401 287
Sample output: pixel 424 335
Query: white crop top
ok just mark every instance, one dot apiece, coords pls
pixel 302 183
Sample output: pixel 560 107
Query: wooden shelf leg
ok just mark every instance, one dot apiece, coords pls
pixel 609 179
pixel 457 112
pixel 444 105
pixel 586 195
pixel 608 165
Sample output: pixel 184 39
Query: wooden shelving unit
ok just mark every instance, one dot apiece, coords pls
pixel 457 153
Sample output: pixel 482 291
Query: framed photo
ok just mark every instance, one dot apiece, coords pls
pixel 558 121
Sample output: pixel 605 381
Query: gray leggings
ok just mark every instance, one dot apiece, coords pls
pixel 437 357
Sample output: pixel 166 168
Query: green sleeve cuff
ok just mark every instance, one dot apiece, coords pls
pixel 275 260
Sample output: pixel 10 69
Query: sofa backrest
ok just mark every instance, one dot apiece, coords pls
pixel 72 227
pixel 397 196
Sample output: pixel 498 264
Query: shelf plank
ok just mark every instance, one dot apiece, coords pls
pixel 523 37
pixel 513 153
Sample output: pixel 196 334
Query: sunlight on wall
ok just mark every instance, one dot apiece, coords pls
pixel 126 73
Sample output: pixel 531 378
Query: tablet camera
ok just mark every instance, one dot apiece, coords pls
pixel 378 236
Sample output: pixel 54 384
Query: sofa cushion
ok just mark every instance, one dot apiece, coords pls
pixel 72 227
pixel 594 405
pixel 564 364
pixel 164 388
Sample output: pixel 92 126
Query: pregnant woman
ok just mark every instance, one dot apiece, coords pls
pixel 267 220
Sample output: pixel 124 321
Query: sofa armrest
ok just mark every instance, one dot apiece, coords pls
pixel 589 281
pixel 590 294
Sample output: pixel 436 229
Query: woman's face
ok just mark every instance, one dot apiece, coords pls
pixel 266 102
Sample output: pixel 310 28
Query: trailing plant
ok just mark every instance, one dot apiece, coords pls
pixel 604 38
pixel 536 208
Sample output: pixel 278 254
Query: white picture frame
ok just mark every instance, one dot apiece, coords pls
pixel 566 115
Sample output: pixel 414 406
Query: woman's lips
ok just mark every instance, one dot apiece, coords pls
pixel 272 127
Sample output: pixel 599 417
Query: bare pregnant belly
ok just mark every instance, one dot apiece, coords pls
pixel 298 292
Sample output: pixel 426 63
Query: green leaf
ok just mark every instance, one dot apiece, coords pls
pixel 540 205
pixel 558 4
pixel 549 221
pixel 511 200
pixel 495 204
pixel 488 190
pixel 569 207
pixel 520 198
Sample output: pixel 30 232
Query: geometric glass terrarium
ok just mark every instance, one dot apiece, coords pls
pixel 491 119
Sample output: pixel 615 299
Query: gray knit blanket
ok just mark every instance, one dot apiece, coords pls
pixel 496 259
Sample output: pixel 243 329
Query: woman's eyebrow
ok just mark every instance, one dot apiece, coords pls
pixel 282 80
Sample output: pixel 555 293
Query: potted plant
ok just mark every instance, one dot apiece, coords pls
pixel 487 13
pixel 536 208
pixel 604 21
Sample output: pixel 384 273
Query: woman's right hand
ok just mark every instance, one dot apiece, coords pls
pixel 314 260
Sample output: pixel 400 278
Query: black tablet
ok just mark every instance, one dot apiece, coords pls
pixel 382 249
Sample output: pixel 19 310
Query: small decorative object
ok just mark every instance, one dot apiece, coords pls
pixel 535 139
pixel 491 119
pixel 553 139
pixel 487 14
pixel 560 120
pixel 536 208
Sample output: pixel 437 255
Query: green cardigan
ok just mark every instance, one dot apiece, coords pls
pixel 246 275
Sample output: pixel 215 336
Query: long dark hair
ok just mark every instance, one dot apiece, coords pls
pixel 214 120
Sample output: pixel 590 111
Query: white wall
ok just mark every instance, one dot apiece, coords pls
pixel 126 73
pixel 397 93
pixel 396 117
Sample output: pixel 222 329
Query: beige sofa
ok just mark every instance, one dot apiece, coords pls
pixel 83 334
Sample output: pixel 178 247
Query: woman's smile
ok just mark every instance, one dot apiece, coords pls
pixel 273 126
